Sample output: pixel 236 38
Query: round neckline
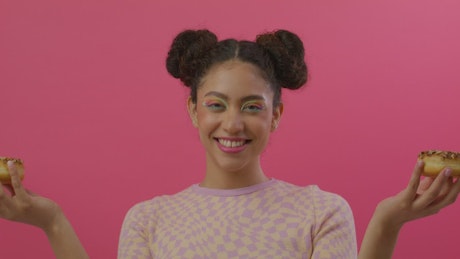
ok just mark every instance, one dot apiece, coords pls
pixel 233 192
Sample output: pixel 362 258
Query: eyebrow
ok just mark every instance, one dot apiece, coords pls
pixel 244 99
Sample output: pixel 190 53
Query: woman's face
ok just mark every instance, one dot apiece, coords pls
pixel 234 114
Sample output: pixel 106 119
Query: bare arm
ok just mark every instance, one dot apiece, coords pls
pixel 64 241
pixel 26 207
pixel 419 199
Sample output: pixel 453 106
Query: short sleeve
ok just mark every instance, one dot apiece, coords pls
pixel 133 242
pixel 334 234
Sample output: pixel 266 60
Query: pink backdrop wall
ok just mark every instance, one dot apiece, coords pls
pixel 88 105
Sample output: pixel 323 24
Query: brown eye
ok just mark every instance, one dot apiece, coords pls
pixel 214 106
pixel 253 107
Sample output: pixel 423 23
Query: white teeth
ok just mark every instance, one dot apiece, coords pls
pixel 229 143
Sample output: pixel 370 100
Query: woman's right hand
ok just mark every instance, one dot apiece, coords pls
pixel 21 205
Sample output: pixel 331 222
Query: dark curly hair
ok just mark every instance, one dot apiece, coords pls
pixel 279 55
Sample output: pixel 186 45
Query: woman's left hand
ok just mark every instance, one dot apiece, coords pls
pixel 420 198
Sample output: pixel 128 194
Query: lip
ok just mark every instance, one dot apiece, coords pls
pixel 236 149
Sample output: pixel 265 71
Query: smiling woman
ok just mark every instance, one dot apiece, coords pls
pixel 237 211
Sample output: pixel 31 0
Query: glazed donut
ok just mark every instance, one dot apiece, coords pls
pixel 5 172
pixel 436 160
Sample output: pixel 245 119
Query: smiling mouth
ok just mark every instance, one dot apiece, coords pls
pixel 232 143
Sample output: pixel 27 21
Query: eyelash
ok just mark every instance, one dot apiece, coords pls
pixel 253 107
pixel 248 107
pixel 214 106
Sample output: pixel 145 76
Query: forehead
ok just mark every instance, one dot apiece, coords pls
pixel 235 79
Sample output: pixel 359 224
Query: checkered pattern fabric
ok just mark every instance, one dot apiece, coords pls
pixel 274 219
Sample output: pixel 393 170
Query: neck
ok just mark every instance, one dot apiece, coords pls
pixel 218 178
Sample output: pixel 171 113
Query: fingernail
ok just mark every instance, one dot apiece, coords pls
pixel 10 163
pixel 419 163
pixel 448 172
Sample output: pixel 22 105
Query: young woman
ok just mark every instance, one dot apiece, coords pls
pixel 236 211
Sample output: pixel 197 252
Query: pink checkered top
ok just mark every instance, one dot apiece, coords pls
pixel 274 219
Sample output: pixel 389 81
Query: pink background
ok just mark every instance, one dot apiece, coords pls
pixel 87 103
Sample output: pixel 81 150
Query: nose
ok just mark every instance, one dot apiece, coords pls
pixel 233 122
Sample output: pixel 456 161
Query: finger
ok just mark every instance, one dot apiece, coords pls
pixel 5 202
pixel 444 191
pixel 451 196
pixel 414 182
pixel 2 191
pixel 434 191
pixel 424 185
pixel 446 187
pixel 18 189
pixel 9 188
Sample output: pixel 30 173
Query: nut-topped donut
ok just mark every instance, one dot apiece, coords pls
pixel 5 177
pixel 436 160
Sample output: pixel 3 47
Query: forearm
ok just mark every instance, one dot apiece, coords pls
pixel 379 241
pixel 64 241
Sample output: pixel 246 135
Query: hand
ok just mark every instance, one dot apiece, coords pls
pixel 24 206
pixel 419 199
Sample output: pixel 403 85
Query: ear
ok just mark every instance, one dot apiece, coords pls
pixel 277 112
pixel 191 107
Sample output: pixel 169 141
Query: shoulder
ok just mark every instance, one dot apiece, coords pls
pixel 313 198
pixel 310 192
pixel 151 207
pixel 328 199
pixel 331 209
pixel 326 202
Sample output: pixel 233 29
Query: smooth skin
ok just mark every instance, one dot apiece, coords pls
pixel 234 102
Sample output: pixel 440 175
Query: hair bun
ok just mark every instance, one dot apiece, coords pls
pixel 186 55
pixel 287 53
